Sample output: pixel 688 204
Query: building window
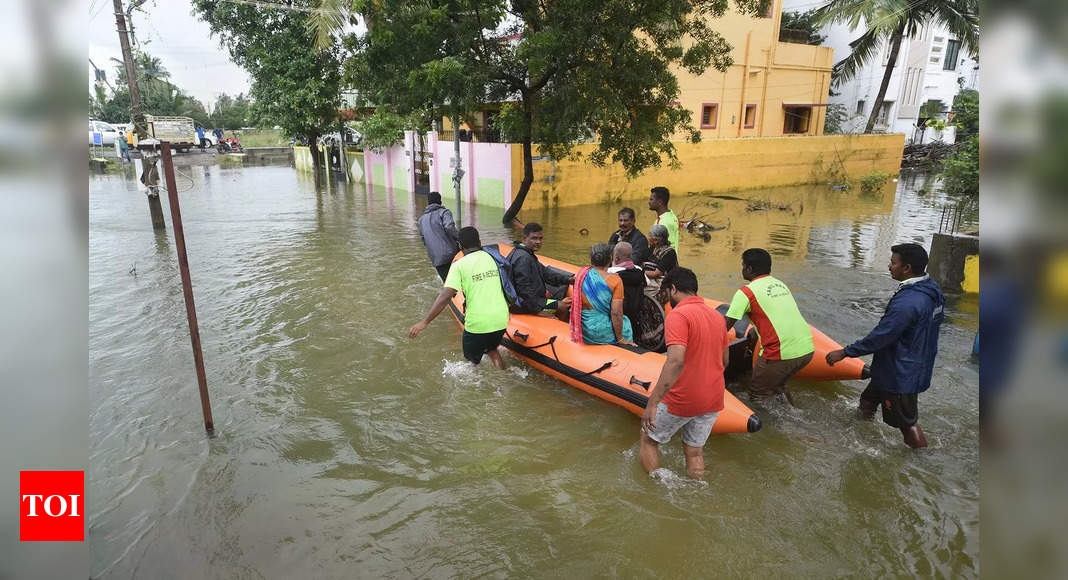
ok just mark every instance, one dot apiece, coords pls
pixel 884 113
pixel 952 52
pixel 860 107
pixel 936 49
pixel 771 9
pixel 750 116
pixel 935 59
pixel 709 115
pixel 797 120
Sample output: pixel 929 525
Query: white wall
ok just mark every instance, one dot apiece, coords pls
pixel 914 81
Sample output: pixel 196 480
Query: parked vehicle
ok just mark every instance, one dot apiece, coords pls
pixel 231 145
pixel 107 131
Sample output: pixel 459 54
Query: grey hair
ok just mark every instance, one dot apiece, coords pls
pixel 659 231
pixel 622 251
pixel 601 255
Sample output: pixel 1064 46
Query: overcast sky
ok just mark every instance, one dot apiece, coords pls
pixel 168 30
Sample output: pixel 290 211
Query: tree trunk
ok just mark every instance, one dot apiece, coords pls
pixel 313 147
pixel 317 164
pixel 528 166
pixel 895 47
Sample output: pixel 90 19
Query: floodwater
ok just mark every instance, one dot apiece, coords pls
pixel 345 450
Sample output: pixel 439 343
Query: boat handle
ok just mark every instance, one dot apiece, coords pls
pixel 520 336
pixel 643 384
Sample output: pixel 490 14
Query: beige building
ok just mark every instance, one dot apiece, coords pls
pixel 772 89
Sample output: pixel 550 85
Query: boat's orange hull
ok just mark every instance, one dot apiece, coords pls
pixel 625 376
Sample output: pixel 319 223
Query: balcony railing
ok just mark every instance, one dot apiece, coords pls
pixel 481 136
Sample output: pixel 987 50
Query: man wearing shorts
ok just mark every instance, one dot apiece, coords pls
pixel 785 338
pixel 688 396
pixel 905 343
pixel 485 310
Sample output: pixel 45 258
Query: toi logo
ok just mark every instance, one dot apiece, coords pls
pixel 51 506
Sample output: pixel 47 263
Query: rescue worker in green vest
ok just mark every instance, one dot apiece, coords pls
pixel 785 337
pixel 486 310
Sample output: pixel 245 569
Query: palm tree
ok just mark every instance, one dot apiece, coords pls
pixel 891 21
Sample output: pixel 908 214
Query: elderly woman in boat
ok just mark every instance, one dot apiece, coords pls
pixel 600 319
pixel 662 260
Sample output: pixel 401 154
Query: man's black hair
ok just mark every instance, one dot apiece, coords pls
pixel 661 193
pixel 758 260
pixel 683 279
pixel 530 228
pixel 469 238
pixel 627 211
pixel 914 255
pixel 433 197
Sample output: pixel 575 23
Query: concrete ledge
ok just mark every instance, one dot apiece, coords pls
pixel 954 262
pixel 269 153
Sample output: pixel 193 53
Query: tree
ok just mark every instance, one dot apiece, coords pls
pixel 800 27
pixel 230 112
pixel 294 84
pixel 565 71
pixel 159 96
pixel 960 169
pixel 889 22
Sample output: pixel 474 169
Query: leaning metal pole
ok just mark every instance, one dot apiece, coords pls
pixel 187 287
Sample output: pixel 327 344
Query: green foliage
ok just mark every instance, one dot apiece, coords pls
pixel 873 182
pixel 384 128
pixel 801 27
pixel 960 170
pixel 565 70
pixel 837 115
pixel 294 85
pixel 159 96
pixel 932 108
pixel 966 113
pixel 231 112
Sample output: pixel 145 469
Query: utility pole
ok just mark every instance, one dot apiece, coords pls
pixel 457 173
pixel 149 172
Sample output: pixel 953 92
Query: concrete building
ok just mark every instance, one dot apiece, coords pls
pixel 773 88
pixel 931 67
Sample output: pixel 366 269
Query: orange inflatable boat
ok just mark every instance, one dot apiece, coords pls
pixel 625 375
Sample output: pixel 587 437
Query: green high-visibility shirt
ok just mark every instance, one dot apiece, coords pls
pixel 671 222
pixel 476 275
pixel 784 334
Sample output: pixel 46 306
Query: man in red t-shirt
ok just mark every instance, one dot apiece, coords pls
pixel 689 393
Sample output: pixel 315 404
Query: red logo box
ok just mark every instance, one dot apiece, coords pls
pixel 52 506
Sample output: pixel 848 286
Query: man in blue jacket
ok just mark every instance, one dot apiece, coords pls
pixel 905 343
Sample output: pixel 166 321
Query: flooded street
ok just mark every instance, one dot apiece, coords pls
pixel 345 450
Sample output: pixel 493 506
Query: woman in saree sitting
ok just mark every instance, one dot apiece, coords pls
pixel 600 318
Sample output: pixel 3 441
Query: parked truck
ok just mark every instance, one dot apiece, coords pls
pixel 179 131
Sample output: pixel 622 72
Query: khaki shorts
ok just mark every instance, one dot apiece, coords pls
pixel 695 430
pixel 770 376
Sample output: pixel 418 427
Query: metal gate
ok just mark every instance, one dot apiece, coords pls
pixel 421 163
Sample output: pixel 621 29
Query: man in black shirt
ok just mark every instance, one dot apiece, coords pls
pixel 530 276
pixel 639 246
